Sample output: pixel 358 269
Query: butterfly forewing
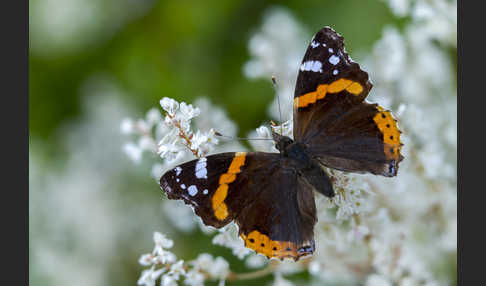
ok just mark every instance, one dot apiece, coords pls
pixel 328 83
pixel 269 203
pixel 332 118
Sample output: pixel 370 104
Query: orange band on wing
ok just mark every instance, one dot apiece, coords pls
pixel 262 244
pixel 391 135
pixel 339 85
pixel 219 207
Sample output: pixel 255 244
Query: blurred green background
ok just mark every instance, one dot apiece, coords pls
pixel 151 49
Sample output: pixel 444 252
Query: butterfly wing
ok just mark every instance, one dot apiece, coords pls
pixel 280 224
pixel 364 139
pixel 331 117
pixel 270 204
pixel 328 83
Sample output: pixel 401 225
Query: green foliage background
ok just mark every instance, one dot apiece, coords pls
pixel 184 49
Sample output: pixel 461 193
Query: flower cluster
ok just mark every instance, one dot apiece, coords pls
pixel 171 137
pixel 165 266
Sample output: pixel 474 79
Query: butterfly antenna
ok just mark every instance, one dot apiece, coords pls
pixel 238 138
pixel 274 82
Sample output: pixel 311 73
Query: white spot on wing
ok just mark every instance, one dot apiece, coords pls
pixel 314 66
pixel 201 171
pixel 335 72
pixel 324 45
pixel 178 170
pixel 334 60
pixel 205 191
pixel 177 180
pixel 314 44
pixel 192 190
pixel 183 186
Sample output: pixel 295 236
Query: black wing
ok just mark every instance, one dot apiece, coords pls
pixel 331 117
pixel 271 206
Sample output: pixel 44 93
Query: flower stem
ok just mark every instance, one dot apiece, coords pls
pixel 255 274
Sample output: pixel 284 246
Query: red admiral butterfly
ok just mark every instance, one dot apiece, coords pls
pixel 270 195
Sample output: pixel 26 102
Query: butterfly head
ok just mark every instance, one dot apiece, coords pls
pixel 281 142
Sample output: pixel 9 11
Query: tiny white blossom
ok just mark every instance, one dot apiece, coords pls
pixel 229 238
pixel 377 280
pixel 194 278
pixel 399 7
pixel 133 151
pixel 142 126
pixel 162 241
pixel 171 151
pixel 219 268
pixel 188 111
pixel 169 105
pixel 153 116
pixel 177 269
pixel 147 143
pixel 255 261
pixel 314 267
pixel 127 126
pixel 164 256
pixel 168 280
pixel 149 276
pixel 146 259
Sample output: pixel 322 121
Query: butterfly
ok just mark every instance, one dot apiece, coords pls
pixel 270 196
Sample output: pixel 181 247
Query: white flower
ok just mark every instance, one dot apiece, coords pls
pixel 147 143
pixel 153 116
pixel 162 241
pixel 146 259
pixel 377 280
pixel 168 280
pixel 177 269
pixel 203 142
pixel 127 126
pixel 219 268
pixel 133 151
pixel 169 105
pixel 188 111
pixel 229 237
pixel 314 267
pixel 399 7
pixel 194 278
pixel 171 151
pixel 149 276
pixel 164 257
pixel 142 126
pixel 216 267
pixel 255 261
pixel 285 128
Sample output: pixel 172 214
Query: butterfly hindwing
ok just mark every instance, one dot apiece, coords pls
pixel 364 139
pixel 269 203
pixel 280 223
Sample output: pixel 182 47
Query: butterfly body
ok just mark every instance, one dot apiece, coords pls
pixel 270 196
pixel 302 162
